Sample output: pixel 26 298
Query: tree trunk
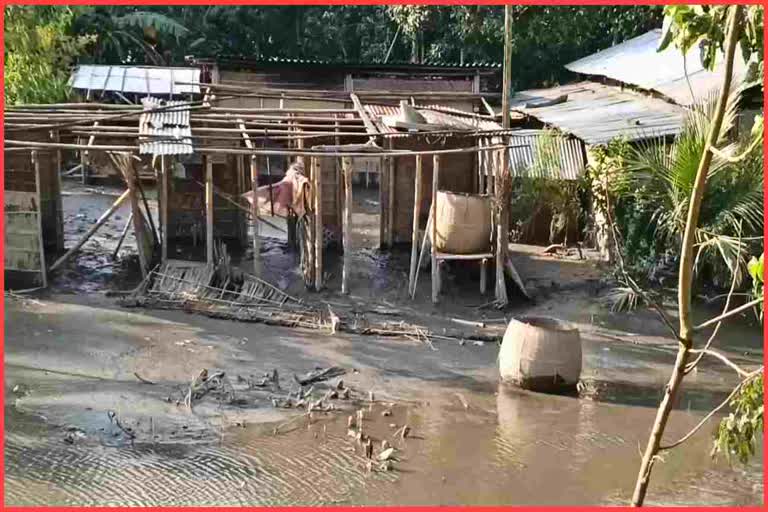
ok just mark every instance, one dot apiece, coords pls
pixel 686 270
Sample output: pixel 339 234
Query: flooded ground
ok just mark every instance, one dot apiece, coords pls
pixel 83 426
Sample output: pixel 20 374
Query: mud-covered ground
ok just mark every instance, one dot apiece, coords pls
pixel 84 425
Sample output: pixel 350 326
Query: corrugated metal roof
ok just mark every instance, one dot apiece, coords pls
pixel 637 62
pixel 168 131
pixel 598 113
pixel 570 152
pixel 135 79
pixel 567 164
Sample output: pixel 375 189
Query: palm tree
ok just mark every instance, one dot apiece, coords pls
pixel 662 178
pixel 127 37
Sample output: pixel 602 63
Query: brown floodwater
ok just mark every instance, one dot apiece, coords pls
pixel 503 446
pixel 470 443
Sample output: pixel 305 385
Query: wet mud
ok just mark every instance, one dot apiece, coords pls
pixel 81 427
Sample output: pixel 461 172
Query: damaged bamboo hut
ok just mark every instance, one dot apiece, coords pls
pixel 221 172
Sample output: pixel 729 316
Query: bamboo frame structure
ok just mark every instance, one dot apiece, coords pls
pixel 214 129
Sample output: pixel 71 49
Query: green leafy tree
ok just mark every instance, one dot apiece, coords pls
pixel 687 26
pixel 128 35
pixel 662 177
pixel 737 434
pixel 39 51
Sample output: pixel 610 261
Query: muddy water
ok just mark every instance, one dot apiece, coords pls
pixel 477 448
pixel 471 442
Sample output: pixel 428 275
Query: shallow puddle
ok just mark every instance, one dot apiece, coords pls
pixel 511 447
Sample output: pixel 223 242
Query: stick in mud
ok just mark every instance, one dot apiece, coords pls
pixel 143 380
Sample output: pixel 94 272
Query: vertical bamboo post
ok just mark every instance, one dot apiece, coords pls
pixel 59 205
pixel 255 218
pixel 502 227
pixel 383 203
pixel 164 208
pixel 416 216
pixel 435 269
pixel 138 217
pixel 40 241
pixel 208 209
pixel 346 166
pixel 501 183
pixel 391 200
pixel 318 189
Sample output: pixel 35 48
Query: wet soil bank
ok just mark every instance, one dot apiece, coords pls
pixel 83 426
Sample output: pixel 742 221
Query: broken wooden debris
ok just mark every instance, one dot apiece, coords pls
pixel 320 375
pixel 222 292
pixel 204 383
pixel 386 454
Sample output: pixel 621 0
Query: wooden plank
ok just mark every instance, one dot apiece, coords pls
pixel 435 269
pixel 466 257
pixel 369 126
pixel 208 210
pixel 416 215
pixel 318 183
pixel 346 167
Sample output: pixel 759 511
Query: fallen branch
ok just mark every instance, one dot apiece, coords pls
pixel 320 375
pixel 142 379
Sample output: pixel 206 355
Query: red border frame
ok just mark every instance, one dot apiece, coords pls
pixel 333 2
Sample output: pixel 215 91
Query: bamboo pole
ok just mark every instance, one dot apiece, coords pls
pixel 254 205
pixel 209 210
pixel 435 269
pixel 100 222
pixel 346 167
pixel 318 189
pixel 687 260
pixel 255 219
pixel 85 156
pixel 164 208
pixel 138 228
pixel 122 235
pixel 501 184
pixel 40 240
pixel 416 215
pixel 391 200
pixel 29 145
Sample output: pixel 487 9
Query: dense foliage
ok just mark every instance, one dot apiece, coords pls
pixel 544 38
pixel 737 435
pixel 687 26
pixel 39 49
pixel 654 205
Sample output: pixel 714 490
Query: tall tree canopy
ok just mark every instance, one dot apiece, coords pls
pixel 544 38
pixel 39 49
